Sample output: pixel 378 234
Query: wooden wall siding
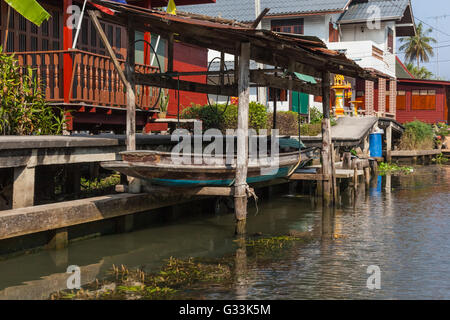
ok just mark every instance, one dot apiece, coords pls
pixel 95 82
pixel 427 108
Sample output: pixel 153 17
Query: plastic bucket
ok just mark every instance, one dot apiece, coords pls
pixel 375 141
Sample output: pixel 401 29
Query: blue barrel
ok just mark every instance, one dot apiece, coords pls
pixel 375 140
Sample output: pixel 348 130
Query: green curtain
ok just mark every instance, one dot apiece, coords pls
pixel 31 10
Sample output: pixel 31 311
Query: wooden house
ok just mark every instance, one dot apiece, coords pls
pixel 83 81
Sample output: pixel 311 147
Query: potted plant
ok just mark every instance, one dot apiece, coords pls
pixel 163 103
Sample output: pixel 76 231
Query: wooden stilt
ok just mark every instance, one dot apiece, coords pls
pixel 326 139
pixel 240 194
pixel 389 143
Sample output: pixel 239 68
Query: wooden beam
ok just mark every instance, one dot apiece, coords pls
pixel 94 17
pixel 170 51
pixel 259 18
pixel 272 81
pixel 240 193
pixel 169 83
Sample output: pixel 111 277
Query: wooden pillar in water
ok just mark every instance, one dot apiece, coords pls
pixel 389 143
pixel 326 140
pixel 240 193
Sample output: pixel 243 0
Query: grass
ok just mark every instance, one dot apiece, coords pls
pixel 180 278
pixel 418 135
pixel 392 168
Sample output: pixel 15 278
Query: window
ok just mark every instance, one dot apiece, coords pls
pixel 401 100
pixel 288 26
pixel 118 37
pixel 333 33
pixel 281 94
pixel 423 100
pixel 390 40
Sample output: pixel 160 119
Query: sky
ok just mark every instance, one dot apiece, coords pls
pixel 437 14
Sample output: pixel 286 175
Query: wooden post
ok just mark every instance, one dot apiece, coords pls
pixel 127 81
pixel 389 142
pixel 275 98
pixel 333 173
pixel 346 160
pixel 326 139
pixel 131 97
pixel 240 194
pixel 5 39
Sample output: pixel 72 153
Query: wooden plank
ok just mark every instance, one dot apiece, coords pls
pixel 170 83
pixel 309 176
pixel 414 153
pixel 272 81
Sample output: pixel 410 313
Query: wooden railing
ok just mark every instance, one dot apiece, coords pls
pixel 94 81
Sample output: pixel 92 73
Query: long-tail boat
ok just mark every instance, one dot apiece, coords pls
pixel 160 169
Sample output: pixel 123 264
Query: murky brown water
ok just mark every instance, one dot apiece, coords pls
pixel 405 232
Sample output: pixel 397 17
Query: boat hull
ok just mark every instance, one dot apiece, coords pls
pixel 159 169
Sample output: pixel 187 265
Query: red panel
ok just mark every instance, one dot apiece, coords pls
pixel 188 58
pixel 429 116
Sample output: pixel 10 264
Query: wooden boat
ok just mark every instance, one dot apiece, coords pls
pixel 159 169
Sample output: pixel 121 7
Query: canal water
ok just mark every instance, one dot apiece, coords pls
pixel 402 230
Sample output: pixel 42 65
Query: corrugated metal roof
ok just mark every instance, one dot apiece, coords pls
pixel 389 9
pixel 244 10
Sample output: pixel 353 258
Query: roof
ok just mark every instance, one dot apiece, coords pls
pixel 401 71
pixel 424 81
pixel 308 55
pixel 389 10
pixel 244 10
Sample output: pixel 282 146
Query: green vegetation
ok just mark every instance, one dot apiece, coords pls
pixel 180 278
pixel 418 135
pixel 418 48
pixel 440 159
pixel 222 118
pixel 419 73
pixel 100 185
pixel 23 109
pixel 392 168
pixel 125 284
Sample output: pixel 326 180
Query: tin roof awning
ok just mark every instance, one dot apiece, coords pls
pixel 306 55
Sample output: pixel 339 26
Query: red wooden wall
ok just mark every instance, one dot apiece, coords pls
pixel 429 116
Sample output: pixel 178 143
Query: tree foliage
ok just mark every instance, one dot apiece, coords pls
pixel 418 48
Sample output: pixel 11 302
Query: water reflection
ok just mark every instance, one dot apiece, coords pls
pixel 399 224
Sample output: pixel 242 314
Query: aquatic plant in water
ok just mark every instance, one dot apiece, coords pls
pixel 391 168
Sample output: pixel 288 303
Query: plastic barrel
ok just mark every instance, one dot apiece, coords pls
pixel 375 145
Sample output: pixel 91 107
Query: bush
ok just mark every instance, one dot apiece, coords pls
pixel 23 109
pixel 418 135
pixel 224 117
pixel 287 124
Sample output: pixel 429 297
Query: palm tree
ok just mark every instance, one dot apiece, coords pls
pixel 419 73
pixel 418 47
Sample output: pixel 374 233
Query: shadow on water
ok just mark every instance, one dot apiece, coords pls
pixel 399 223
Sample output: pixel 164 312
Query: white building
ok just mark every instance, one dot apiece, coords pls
pixel 365 30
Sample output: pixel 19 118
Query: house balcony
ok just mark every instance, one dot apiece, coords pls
pixel 367 54
pixel 93 80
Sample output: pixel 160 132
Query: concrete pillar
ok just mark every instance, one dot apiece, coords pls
pixel 382 96
pixel 369 97
pixel 23 188
pixel 393 97
pixel 59 239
